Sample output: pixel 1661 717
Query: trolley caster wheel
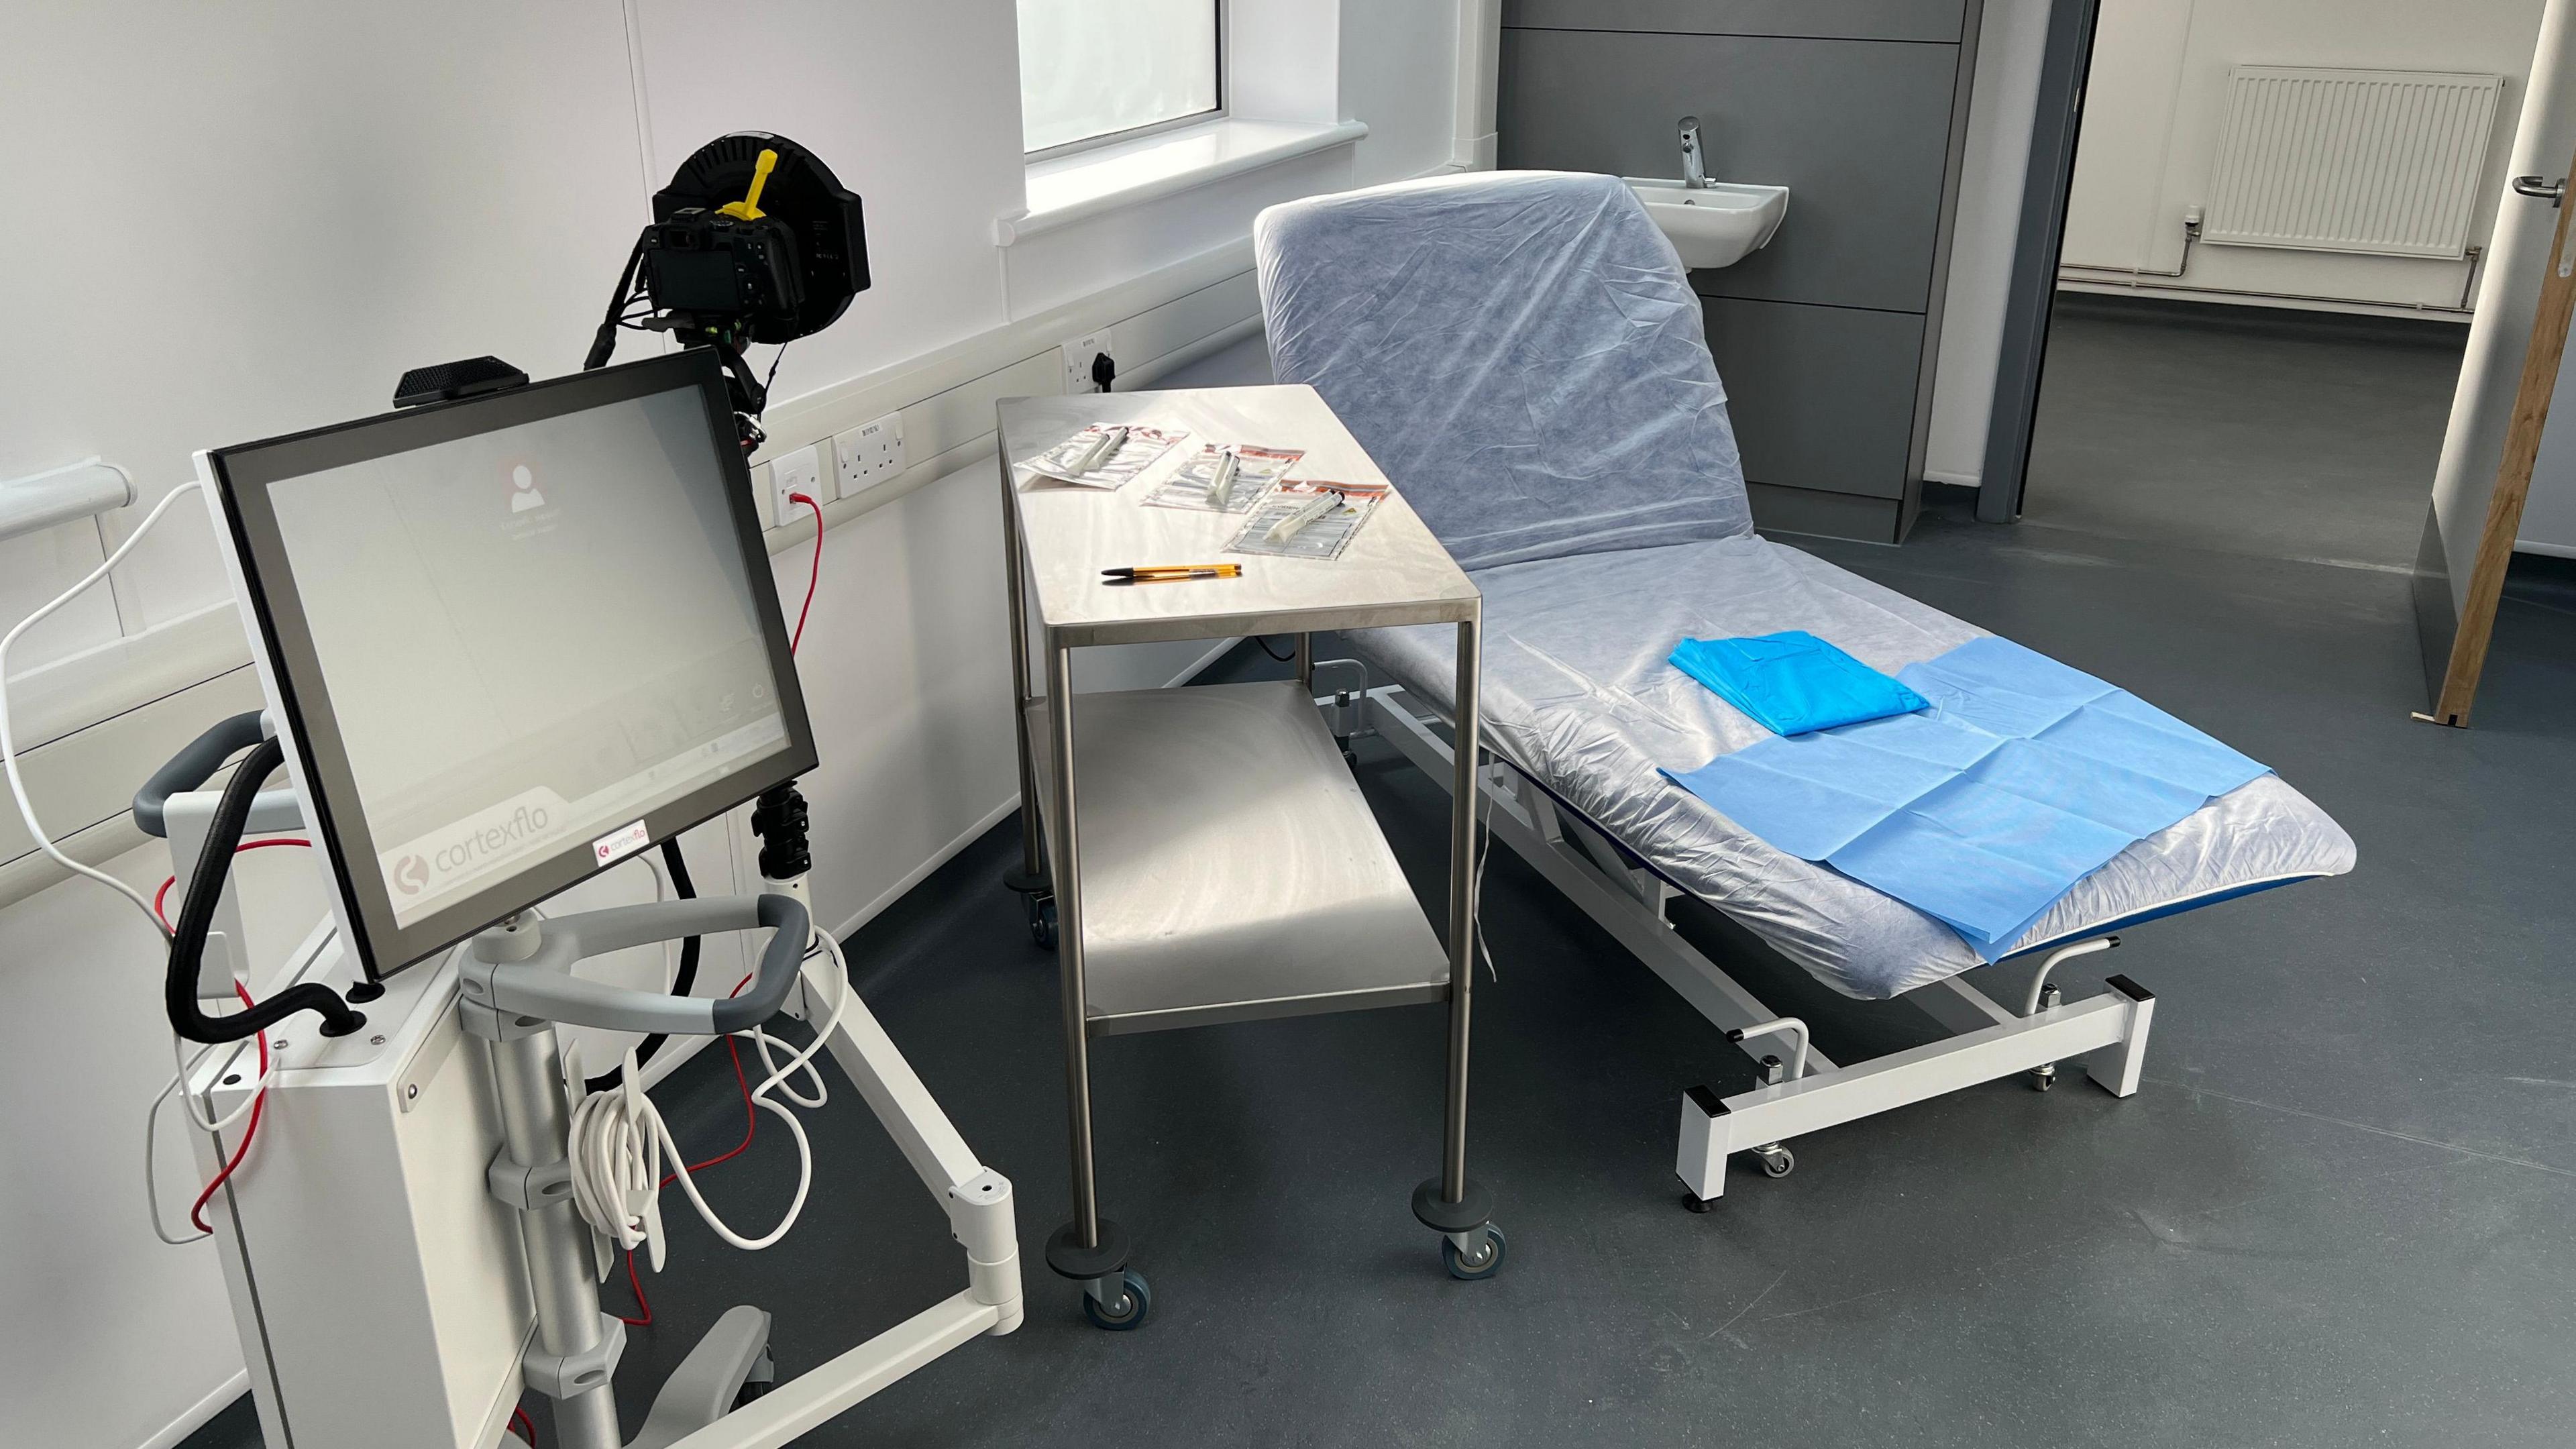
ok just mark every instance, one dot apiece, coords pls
pixel 1776 1161
pixel 2043 1078
pixel 1124 1312
pixel 1041 921
pixel 1480 1267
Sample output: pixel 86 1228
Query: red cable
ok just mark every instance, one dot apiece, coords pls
pixel 750 1114
pixel 519 1419
pixel 817 576
pixel 250 1129
pixel 640 1305
pixel 164 893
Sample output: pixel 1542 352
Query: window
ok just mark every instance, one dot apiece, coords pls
pixel 1097 70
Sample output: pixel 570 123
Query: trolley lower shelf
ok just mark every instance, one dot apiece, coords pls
pixel 1229 868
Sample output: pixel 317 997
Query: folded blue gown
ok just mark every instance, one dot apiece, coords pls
pixel 1792 683
pixel 2023 777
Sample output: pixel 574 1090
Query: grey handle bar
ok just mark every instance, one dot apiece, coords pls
pixel 525 969
pixel 192 767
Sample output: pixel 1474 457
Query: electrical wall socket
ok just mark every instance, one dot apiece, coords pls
pixel 869 454
pixel 798 472
pixel 1078 356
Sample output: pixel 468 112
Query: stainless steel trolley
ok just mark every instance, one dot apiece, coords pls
pixel 1159 918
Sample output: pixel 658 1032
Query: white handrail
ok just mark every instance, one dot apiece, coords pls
pixel 59 495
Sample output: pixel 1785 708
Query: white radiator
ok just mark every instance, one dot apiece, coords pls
pixel 2380 161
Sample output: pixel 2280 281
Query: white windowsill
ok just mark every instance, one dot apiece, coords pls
pixel 1069 188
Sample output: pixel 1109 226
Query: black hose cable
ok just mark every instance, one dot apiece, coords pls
pixel 603 344
pixel 1288 658
pixel 677 866
pixel 188 939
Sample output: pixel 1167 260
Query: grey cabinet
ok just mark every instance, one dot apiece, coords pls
pixel 1822 397
pixel 1840 123
pixel 1825 337
pixel 1932 20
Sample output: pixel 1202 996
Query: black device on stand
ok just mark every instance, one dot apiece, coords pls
pixel 754 241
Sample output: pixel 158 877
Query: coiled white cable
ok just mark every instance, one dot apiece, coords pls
pixel 619 1141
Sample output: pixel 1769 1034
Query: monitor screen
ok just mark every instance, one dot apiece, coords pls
pixel 520 645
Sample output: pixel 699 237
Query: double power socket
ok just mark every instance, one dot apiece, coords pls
pixel 851 464
pixel 869 454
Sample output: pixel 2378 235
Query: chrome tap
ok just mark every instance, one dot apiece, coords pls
pixel 1694 159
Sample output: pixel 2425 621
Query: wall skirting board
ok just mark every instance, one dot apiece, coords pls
pixel 2103 286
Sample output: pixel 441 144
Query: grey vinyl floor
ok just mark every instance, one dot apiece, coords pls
pixel 2341 1211
pixel 2241 430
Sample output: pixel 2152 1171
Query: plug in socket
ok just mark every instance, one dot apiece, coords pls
pixel 798 472
pixel 1079 355
pixel 869 454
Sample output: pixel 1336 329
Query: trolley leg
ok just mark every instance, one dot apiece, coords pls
pixel 1451 1204
pixel 1090 1249
pixel 1462 917
pixel 1031 876
pixel 1306 662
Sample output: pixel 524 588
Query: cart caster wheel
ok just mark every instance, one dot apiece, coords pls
pixel 2043 1078
pixel 1127 1310
pixel 1695 1203
pixel 1776 1161
pixel 1041 921
pixel 1477 1269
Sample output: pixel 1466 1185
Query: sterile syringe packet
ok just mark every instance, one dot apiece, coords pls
pixel 1255 470
pixel 1135 453
pixel 1325 535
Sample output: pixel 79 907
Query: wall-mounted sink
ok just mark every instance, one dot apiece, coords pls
pixel 1716 225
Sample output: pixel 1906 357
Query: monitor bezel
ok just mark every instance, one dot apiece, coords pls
pixel 241 477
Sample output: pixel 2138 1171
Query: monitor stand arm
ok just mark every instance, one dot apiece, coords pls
pixel 515 988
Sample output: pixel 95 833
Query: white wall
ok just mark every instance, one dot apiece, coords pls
pixel 2156 104
pixel 259 215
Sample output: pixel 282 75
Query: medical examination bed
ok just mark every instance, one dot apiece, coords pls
pixel 1522 354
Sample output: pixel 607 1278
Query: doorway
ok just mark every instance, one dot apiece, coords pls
pixel 2252 342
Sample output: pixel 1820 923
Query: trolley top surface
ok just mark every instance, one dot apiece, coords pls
pixel 1394 572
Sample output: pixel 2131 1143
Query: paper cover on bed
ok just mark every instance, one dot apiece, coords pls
pixel 2021 778
pixel 1518 350
pixel 1578 693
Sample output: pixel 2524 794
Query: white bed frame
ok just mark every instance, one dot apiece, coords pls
pixel 2108 1032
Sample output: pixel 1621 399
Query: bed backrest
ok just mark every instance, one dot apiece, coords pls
pixel 1518 350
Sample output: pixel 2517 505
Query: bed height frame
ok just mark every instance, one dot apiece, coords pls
pixel 1808 1092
